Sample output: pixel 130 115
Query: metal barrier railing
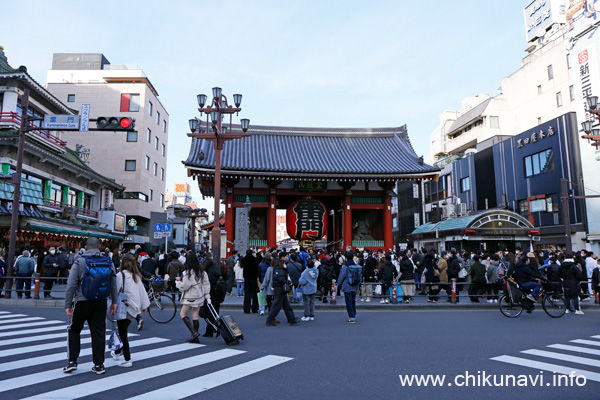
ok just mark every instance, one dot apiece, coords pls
pixel 35 284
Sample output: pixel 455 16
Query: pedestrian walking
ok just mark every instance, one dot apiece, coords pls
pixel 308 283
pixel 174 270
pixel 267 284
pixel 129 281
pixel 571 276
pixel 80 308
pixel 349 282
pixel 195 288
pixel 281 288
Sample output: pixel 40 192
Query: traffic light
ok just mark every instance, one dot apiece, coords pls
pixel 115 124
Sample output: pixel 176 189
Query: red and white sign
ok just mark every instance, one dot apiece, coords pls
pixel 306 219
pixel 582 57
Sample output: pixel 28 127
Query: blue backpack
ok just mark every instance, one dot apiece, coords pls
pixel 97 279
pixel 354 273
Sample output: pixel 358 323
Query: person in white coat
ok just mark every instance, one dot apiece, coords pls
pixel 129 280
pixel 195 288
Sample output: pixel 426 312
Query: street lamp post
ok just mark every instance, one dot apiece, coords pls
pixel 184 211
pixel 217 109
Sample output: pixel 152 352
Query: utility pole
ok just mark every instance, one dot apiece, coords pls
pixel 566 215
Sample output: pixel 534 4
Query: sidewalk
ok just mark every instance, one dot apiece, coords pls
pixel 236 303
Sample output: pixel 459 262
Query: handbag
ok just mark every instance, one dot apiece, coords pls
pixel 377 290
pixel 287 286
pixel 114 342
pixel 121 312
pixel 436 272
pixel 298 294
pixel 262 299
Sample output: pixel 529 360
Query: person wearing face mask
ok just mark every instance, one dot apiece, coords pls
pixel 51 266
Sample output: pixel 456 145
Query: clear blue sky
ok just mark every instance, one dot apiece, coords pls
pixel 313 63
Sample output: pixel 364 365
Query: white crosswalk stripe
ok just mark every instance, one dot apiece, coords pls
pixel 18 353
pixel 562 357
pixel 30 324
pixel 17 320
pixel 5 316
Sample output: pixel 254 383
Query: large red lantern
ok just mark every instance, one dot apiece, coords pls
pixel 306 219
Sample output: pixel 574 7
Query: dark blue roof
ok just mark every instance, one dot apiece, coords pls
pixel 325 151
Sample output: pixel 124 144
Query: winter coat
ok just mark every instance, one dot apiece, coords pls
pixel 478 273
pixel 308 280
pixel 453 267
pixel 73 291
pixel 213 273
pixel 430 266
pixel 294 269
pixel 263 266
pixel 388 272
pixel 524 274
pixel 370 267
pixel 250 266
pixel 137 297
pixel 571 276
pixel 24 266
pixel 239 272
pixel 267 283
pixel 343 281
pixel 443 268
pixel 175 268
pixel 194 291
pixel 407 270
pixel 492 272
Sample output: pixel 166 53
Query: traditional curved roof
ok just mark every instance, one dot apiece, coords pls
pixel 313 152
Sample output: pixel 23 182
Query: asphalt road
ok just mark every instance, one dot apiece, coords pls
pixel 326 358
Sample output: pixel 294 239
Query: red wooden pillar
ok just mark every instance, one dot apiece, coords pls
pixel 272 220
pixel 347 215
pixel 229 223
pixel 388 240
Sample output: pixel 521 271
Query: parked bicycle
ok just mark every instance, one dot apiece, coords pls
pixel 162 306
pixel 514 300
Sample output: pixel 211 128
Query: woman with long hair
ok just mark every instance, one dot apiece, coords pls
pixel 195 288
pixel 129 280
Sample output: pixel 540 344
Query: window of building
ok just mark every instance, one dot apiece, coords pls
pixel 150 108
pixel 72 198
pixel 572 93
pixel 56 193
pixel 132 136
pixel 162 174
pixel 539 89
pixel 559 99
pixel 71 98
pixel 465 184
pixel 151 194
pixel 538 163
pixel 155 169
pixel 130 102
pixel 164 126
pixel 163 151
pixel 147 163
pixel 156 142
pixel 550 72
pixel 157 118
pixel 148 135
pixel 569 61
pixel 87 201
pixel 129 165
pixel 162 200
pixel 523 207
pixel 539 120
pixel 131 196
pixel 494 122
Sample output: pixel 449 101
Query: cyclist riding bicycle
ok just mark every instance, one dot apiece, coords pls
pixel 525 278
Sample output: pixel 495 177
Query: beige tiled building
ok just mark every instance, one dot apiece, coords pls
pixel 137 160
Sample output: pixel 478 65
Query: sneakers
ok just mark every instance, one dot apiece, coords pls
pixel 578 312
pixel 490 301
pixel 368 300
pixel 382 301
pixel 311 318
pixel 115 356
pixel 72 366
pixel 530 297
pixel 98 369
pixel 126 364
pixel 567 312
pixel 387 301
pixel 262 312
pixel 140 324
pixel 304 319
pixel 351 320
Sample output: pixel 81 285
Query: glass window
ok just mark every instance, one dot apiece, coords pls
pixel 129 165
pixel 550 72
pixel 559 99
pixel 164 126
pixel 72 198
pixel 71 98
pixel 524 208
pixel 155 169
pixel 56 193
pixel 156 142
pixel 132 136
pixel 143 197
pixel 157 118
pixel 130 102
pixel 151 194
pixel 163 149
pixel 147 163
pixel 148 135
pixel 539 89
pixel 465 184
pixel 149 108
pixel 572 93
pixel 494 122
pixel 162 174
pixel 162 200
pixel 87 201
pixel 569 61
pixel 538 163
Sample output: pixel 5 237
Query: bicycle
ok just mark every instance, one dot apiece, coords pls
pixel 553 302
pixel 162 306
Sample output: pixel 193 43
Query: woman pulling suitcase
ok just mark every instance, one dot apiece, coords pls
pixel 195 288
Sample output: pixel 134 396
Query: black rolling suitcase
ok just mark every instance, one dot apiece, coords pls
pixel 226 326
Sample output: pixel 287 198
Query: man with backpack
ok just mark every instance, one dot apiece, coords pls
pixel 349 282
pixel 91 281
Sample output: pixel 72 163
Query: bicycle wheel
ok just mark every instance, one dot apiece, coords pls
pixel 162 308
pixel 508 309
pixel 554 305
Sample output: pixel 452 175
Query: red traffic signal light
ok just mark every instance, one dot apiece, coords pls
pixel 115 124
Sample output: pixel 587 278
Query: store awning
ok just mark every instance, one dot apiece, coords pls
pixel 75 232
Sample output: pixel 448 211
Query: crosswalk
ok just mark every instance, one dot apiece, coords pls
pixel 563 359
pixel 38 355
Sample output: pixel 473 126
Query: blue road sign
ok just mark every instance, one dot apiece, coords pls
pixel 158 228
pixel 167 227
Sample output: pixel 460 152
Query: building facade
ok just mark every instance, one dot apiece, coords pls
pixel 137 159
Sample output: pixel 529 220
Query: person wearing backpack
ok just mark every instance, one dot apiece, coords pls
pixel 326 276
pixel 349 282
pixel 308 283
pixel 85 301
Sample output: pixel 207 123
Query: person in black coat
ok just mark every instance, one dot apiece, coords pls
pixel 525 277
pixel 369 277
pixel 430 268
pixel 571 275
pixel 453 269
pixel 149 264
pixel 214 274
pixel 249 265
pixel 387 274
pixel 407 277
